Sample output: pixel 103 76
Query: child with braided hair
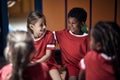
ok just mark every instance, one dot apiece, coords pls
pixel 103 61
pixel 18 51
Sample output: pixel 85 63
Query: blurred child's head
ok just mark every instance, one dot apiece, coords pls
pixel 105 38
pixel 36 24
pixel 19 47
pixel 18 51
pixel 76 19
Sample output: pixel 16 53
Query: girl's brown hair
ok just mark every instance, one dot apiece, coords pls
pixel 21 46
pixel 33 17
pixel 108 35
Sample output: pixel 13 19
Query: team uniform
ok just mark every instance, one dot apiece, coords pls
pixel 35 72
pixel 5 72
pixel 73 49
pixel 97 66
pixel 46 42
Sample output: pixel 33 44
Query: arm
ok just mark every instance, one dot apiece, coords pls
pixel 45 57
pixel 81 75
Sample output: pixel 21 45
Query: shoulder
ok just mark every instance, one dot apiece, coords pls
pixel 86 36
pixel 95 56
pixel 7 67
pixel 62 31
pixel 91 54
pixel 5 71
pixel 49 34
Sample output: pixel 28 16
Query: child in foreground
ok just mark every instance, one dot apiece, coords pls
pixel 18 50
pixel 103 61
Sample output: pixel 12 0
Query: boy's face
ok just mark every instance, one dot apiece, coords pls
pixel 39 28
pixel 74 25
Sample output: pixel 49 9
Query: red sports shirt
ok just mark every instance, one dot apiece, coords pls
pixel 47 42
pixel 97 66
pixel 73 47
pixel 35 72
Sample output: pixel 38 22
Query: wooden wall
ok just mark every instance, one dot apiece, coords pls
pixel 54 10
pixel 21 8
pixel 55 14
pixel 104 10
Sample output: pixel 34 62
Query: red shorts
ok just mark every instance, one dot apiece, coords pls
pixel 72 70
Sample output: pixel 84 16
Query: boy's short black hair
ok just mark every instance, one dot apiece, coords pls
pixel 79 13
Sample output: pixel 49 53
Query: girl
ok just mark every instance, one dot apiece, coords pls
pixel 73 42
pixel 18 51
pixel 103 61
pixel 44 43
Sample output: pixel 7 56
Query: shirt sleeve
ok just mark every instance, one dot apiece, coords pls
pixel 51 42
pixel 82 64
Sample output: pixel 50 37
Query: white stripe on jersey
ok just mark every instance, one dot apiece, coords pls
pixel 82 64
pixel 51 45
pixel 106 57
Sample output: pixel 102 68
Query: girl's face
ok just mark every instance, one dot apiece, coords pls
pixel 74 26
pixel 38 28
pixel 94 45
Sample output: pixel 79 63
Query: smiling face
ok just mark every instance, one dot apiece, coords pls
pixel 74 26
pixel 38 28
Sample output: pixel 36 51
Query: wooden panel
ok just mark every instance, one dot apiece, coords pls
pixel 55 15
pixel 15 9
pixel 21 8
pixel 103 10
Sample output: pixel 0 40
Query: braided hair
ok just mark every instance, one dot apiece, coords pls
pixel 21 46
pixel 108 35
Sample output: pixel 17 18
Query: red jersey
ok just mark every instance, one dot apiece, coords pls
pixel 97 66
pixel 5 72
pixel 47 42
pixel 73 47
pixel 35 72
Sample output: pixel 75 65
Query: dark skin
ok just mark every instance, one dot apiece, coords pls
pixel 74 26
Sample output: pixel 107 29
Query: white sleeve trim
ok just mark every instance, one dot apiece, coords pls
pixel 106 57
pixel 50 46
pixel 82 64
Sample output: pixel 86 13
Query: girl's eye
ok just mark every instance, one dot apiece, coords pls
pixel 41 25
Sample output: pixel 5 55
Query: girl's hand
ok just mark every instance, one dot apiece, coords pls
pixel 32 63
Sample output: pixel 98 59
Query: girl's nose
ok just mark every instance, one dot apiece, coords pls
pixel 44 26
